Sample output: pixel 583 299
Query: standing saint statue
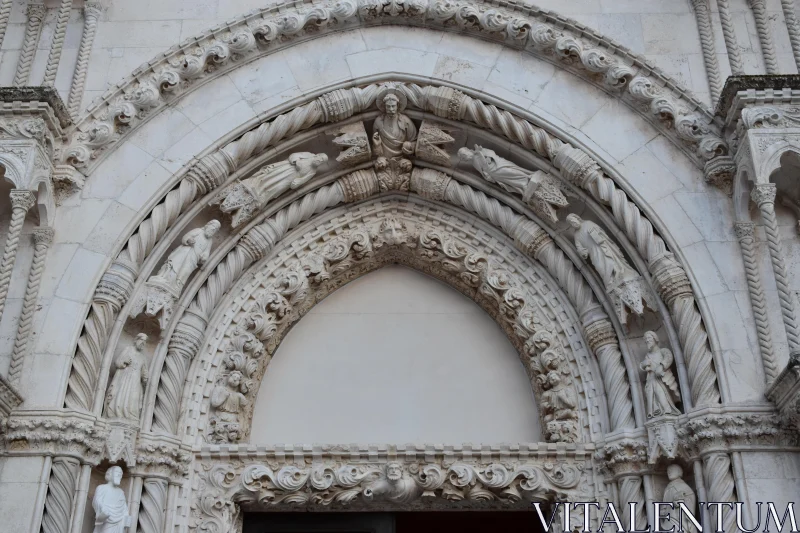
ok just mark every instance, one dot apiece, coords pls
pixel 621 281
pixel 124 398
pixel 540 190
pixel 678 491
pixel 661 388
pixel 185 259
pixel 247 197
pixel 110 507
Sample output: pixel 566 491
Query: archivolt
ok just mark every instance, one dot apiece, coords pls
pixel 597 59
pixel 214 169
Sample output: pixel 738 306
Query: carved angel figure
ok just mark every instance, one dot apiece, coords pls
pixel 110 507
pixel 124 397
pixel 660 388
pixel 249 196
pixel 394 485
pixel 559 401
pixel 622 282
pixel 228 399
pixel 678 491
pixel 540 190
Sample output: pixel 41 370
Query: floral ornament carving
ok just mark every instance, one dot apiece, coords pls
pixel 540 190
pixel 56 433
pixel 240 40
pixel 360 249
pixel 329 483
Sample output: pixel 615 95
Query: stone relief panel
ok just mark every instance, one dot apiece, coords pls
pixel 276 296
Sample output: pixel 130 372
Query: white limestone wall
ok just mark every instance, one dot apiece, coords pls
pixel 131 33
pixel 398 357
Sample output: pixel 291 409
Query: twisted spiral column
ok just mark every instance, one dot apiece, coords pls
pixel 734 53
pixel 745 234
pixel 5 13
pixel 60 32
pixel 720 486
pixel 764 196
pixel 61 489
pixel 21 201
pixel 91 13
pixel 42 238
pixel 33 29
pixel 794 29
pixel 703 17
pixel 631 490
pixel 759 8
pixel 599 332
pixel 153 506
pixel 190 330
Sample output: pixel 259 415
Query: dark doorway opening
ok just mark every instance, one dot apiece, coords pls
pixel 401 522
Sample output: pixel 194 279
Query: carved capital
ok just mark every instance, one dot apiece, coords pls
pixel 429 183
pixel 720 431
pixel 359 185
pixel 116 284
pixel 670 279
pixel 62 433
pixel 577 166
pixel 600 333
pixel 21 199
pixel 35 11
pixel 92 10
pixel 623 457
pixel 43 236
pixel 763 194
pixel 744 230
pixel 161 456
pixel 530 238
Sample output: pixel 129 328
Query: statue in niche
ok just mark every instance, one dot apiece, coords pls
pixel 124 398
pixel 678 491
pixel 661 388
pixel 110 507
pixel 539 190
pixel 247 197
pixel 228 400
pixel 163 289
pixel 394 485
pixel 625 286
pixel 393 140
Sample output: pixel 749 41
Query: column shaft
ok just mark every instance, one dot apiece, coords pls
pixel 734 54
pixel 91 12
pixel 60 492
pixel 765 35
pixel 21 201
pixel 703 17
pixel 54 58
pixel 33 30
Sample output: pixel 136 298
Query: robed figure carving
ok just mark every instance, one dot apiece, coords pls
pixel 622 283
pixel 164 288
pixel 660 388
pixel 393 140
pixel 540 190
pixel 110 507
pixel 247 197
pixel 678 491
pixel 124 398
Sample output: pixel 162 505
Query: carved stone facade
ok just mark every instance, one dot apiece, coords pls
pixel 162 245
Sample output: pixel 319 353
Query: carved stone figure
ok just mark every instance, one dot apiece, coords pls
pixel 394 133
pixel 228 400
pixel 124 398
pixel 164 288
pixel 559 400
pixel 394 485
pixel 622 282
pixel 249 196
pixel 540 190
pixel 110 507
pixel 661 388
pixel 678 491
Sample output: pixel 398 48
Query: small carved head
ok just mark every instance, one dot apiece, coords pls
pixel 390 101
pixel 465 154
pixel 674 472
pixel 651 340
pixel 235 379
pixel 554 378
pixel 211 228
pixel 319 159
pixel 574 220
pixel 114 475
pixel 394 471
pixel 141 340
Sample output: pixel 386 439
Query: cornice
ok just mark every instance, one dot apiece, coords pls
pixel 557 39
